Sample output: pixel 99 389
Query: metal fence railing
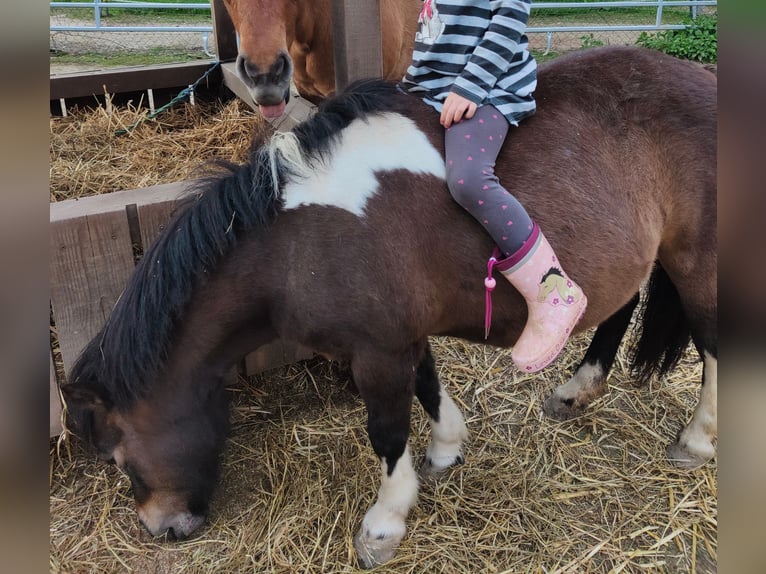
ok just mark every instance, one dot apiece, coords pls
pixel 114 25
pixel 123 25
pixel 580 24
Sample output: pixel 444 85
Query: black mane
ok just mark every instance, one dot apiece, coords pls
pixel 135 342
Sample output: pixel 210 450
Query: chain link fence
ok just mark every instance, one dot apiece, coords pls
pixel 180 30
pixel 124 32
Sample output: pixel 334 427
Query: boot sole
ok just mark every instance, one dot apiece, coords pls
pixel 553 351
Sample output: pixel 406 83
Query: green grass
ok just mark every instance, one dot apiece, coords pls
pixel 580 12
pixel 541 57
pixel 151 56
pixel 113 13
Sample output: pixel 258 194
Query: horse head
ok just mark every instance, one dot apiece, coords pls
pixel 168 448
pixel 266 28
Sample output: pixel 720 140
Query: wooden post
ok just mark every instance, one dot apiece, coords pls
pixel 55 402
pixel 357 41
pixel 225 35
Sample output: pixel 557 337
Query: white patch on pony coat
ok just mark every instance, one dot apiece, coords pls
pixel 447 435
pixel 398 493
pixel 346 179
pixel 699 435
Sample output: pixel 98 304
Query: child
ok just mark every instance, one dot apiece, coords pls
pixel 471 63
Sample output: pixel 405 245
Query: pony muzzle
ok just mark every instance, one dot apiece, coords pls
pixel 269 88
pixel 178 525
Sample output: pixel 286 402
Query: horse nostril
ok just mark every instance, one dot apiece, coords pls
pixel 245 68
pixel 282 67
pixel 279 66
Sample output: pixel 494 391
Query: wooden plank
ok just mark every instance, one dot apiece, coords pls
pixel 129 79
pixel 91 260
pixel 225 34
pixel 358 48
pixel 153 218
pixel 231 80
pixel 94 204
pixel 55 403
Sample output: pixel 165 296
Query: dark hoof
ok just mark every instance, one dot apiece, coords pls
pixel 428 470
pixel 561 409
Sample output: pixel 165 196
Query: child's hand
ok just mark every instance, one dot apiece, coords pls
pixel 455 108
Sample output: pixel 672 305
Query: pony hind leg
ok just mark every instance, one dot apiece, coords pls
pixel 448 430
pixel 589 381
pixel 693 273
pixel 696 442
pixel 386 384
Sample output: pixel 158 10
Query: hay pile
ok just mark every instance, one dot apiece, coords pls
pixel 590 495
pixel 88 158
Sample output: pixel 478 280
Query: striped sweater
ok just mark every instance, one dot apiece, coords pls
pixel 478 49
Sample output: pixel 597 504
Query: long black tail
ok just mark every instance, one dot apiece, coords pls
pixel 664 329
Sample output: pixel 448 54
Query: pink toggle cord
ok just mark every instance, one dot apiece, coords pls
pixel 489 286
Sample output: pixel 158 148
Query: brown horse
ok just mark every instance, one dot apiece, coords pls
pixel 342 236
pixel 284 39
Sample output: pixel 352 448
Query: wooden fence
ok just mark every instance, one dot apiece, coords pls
pixel 92 246
pixel 92 240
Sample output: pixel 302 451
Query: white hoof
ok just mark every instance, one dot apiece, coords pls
pixel 684 456
pixel 376 548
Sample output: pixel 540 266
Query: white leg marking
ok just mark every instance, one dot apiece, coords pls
pixel 695 445
pixel 570 399
pixel 383 527
pixel 447 436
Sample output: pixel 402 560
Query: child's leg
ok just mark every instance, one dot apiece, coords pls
pixel 472 147
pixel 555 303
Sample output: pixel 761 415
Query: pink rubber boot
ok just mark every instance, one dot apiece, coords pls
pixel 555 303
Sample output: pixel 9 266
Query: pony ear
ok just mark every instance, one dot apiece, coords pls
pixel 86 408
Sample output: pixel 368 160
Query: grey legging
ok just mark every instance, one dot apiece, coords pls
pixel 472 147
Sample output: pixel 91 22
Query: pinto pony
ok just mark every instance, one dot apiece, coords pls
pixel 280 40
pixel 342 236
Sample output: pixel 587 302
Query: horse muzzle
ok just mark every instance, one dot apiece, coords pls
pixel 178 525
pixel 269 88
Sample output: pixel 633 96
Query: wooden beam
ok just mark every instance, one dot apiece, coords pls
pixel 357 41
pixel 92 258
pixel 225 34
pixel 55 403
pixel 133 79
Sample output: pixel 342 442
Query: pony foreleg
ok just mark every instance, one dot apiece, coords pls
pixel 448 430
pixel 589 381
pixel 383 526
pixel 386 383
pixel 448 433
pixel 695 444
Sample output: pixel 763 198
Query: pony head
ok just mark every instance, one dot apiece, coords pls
pixel 168 448
pixel 266 28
